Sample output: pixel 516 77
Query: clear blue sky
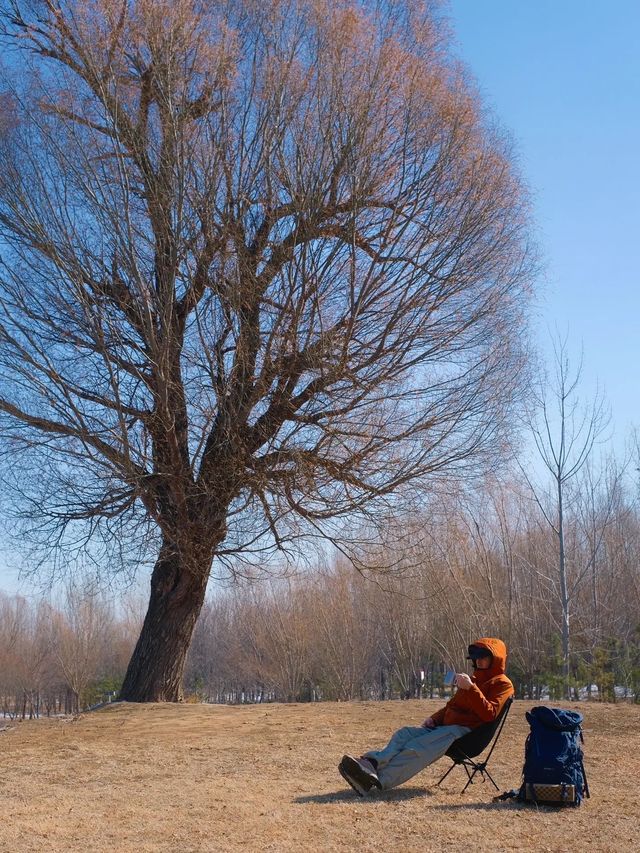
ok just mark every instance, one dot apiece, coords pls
pixel 563 76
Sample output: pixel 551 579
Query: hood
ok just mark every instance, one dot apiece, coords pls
pixel 499 653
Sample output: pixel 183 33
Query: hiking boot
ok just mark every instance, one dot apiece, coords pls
pixel 359 789
pixel 359 773
pixel 369 767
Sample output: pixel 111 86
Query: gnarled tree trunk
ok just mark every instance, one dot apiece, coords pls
pixel 178 586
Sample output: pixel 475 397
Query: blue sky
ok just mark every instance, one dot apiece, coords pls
pixel 563 78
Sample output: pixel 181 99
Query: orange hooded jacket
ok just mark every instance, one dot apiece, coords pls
pixel 483 701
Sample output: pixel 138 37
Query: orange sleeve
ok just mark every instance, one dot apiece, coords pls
pixel 438 716
pixel 488 706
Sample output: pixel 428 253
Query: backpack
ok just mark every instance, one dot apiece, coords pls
pixel 553 772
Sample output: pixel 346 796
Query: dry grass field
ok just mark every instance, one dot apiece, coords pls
pixel 212 778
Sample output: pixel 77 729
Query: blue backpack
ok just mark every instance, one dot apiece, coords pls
pixel 553 771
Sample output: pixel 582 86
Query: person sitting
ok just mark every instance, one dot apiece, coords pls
pixel 477 700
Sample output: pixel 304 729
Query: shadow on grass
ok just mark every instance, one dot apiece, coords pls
pixel 396 795
pixel 483 807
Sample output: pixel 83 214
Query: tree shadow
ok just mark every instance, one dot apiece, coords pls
pixel 396 795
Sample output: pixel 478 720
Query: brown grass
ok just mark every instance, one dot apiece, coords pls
pixel 212 778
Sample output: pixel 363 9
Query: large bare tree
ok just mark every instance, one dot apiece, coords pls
pixel 264 266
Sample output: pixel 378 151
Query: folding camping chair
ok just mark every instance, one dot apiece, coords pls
pixel 469 746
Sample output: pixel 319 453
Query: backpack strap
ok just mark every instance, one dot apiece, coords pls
pixel 513 794
pixel 586 784
pixel 584 772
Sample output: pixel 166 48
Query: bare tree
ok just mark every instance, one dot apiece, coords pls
pixel 81 636
pixel 264 266
pixel 26 657
pixel 275 638
pixel 346 633
pixel 565 432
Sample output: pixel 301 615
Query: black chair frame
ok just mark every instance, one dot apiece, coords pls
pixel 466 748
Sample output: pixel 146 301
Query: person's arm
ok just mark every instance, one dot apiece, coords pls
pixel 434 720
pixel 488 706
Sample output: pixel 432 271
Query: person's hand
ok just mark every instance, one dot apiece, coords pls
pixel 462 681
pixel 429 723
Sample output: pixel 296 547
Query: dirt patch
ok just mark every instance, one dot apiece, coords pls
pixel 212 778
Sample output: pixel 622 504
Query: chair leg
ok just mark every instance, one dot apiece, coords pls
pixel 442 778
pixel 477 768
pixel 482 770
pixel 486 773
pixel 470 776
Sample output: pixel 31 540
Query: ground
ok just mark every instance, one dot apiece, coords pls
pixel 213 778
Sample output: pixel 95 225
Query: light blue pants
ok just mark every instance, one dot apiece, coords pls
pixel 410 750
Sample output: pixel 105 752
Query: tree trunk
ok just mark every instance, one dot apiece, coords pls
pixel 564 592
pixel 156 667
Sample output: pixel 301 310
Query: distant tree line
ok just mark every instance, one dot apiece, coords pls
pixel 62 658
pixel 477 568
pixel 481 570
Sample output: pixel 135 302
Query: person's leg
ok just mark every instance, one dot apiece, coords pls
pixel 399 739
pixel 410 750
pixel 361 773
